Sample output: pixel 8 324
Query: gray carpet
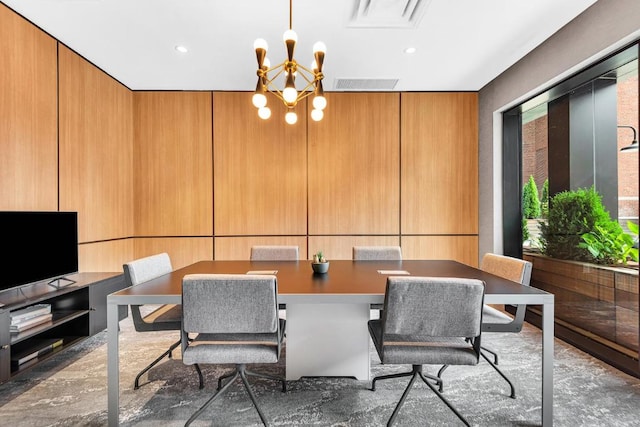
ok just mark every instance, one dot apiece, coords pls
pixel 70 390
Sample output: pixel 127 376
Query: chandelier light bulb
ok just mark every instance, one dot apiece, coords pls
pixel 260 44
pixel 264 113
pixel 319 47
pixel 259 100
pixel 319 102
pixel 317 115
pixel 266 63
pixel 291 117
pixel 290 94
pixel 314 66
pixel 290 35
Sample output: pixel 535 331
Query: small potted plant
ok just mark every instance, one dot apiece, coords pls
pixel 319 263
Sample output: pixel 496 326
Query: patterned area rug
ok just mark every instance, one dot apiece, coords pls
pixel 70 389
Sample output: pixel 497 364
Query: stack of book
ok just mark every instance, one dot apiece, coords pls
pixel 37 348
pixel 29 317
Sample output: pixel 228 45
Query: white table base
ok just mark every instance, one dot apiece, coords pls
pixel 327 340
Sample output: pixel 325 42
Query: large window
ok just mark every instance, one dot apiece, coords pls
pixel 575 136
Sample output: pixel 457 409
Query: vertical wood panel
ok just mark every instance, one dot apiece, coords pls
pixel 105 256
pixel 28 116
pixel 460 248
pixel 341 247
pixel 96 151
pixel 354 165
pixel 231 248
pixel 172 164
pixel 439 163
pixel 259 169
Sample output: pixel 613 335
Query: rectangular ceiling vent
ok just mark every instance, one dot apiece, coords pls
pixel 387 13
pixel 365 84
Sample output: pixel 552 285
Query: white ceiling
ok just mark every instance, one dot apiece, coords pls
pixel 461 44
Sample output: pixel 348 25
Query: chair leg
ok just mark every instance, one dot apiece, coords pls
pixel 200 377
pixel 441 396
pixel 269 377
pixel 225 376
pixel 214 397
pixel 495 355
pixel 136 384
pixel 440 372
pixel 513 389
pixel 404 396
pixel 243 376
pixel 386 377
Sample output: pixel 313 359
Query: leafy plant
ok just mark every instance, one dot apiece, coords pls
pixel 530 200
pixel 611 245
pixel 544 201
pixel 525 230
pixel 572 214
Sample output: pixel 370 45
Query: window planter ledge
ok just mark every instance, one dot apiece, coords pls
pixel 596 307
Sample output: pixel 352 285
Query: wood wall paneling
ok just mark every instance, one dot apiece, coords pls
pixel 172 164
pixel 182 250
pixel 96 149
pixel 259 168
pixel 460 248
pixel 28 116
pixel 341 247
pixel 231 248
pixel 354 167
pixel 105 256
pixel 439 163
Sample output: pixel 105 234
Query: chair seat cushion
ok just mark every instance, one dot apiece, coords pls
pixel 492 315
pixel 233 348
pixel 399 349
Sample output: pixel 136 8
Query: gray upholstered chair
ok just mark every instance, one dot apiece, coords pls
pixel 428 320
pixel 243 328
pixel 167 317
pixel 275 253
pixel 377 253
pixel 493 320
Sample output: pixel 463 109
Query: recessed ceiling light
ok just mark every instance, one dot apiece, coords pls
pixel 410 50
pixel 181 49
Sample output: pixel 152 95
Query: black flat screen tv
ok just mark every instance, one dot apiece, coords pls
pixel 38 246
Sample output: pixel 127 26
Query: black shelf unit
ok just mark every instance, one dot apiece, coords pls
pixel 79 311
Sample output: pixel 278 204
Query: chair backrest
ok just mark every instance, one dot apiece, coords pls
pixel 377 253
pixel 432 307
pixel 507 267
pixel 274 253
pixel 144 269
pixel 229 303
pixel 514 269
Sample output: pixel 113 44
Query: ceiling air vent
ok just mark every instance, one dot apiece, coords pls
pixel 365 84
pixel 387 13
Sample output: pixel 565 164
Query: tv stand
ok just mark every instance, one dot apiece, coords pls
pixel 60 285
pixel 79 310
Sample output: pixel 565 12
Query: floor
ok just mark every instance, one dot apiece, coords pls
pixel 69 389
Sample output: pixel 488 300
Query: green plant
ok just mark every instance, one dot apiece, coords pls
pixel 530 200
pixel 525 230
pixel 319 257
pixel 544 201
pixel 609 244
pixel 572 214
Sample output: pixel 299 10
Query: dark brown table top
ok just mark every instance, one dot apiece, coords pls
pixel 357 281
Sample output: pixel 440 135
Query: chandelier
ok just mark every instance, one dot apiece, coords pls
pixel 291 71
